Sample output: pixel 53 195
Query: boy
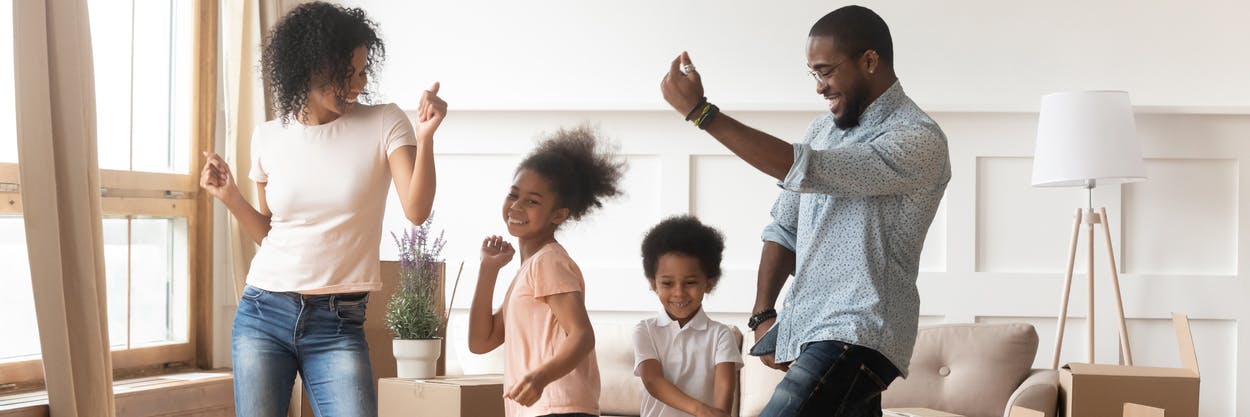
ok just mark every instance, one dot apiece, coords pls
pixel 688 362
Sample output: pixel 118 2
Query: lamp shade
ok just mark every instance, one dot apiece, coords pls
pixel 1084 136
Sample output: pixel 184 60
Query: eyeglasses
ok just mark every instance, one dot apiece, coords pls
pixel 832 70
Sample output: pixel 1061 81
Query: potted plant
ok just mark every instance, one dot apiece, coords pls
pixel 412 313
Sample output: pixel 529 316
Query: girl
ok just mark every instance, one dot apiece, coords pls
pixel 549 364
pixel 322 172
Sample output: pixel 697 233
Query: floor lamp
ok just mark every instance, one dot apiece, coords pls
pixel 1086 139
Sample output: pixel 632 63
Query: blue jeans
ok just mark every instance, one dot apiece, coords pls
pixel 277 334
pixel 832 378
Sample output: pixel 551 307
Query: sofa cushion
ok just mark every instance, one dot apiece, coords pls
pixel 620 391
pixel 756 384
pixel 967 369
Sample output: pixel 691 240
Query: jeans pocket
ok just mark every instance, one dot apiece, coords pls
pixel 868 375
pixel 352 314
pixel 252 293
pixel 863 394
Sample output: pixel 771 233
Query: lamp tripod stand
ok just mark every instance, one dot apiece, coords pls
pixel 1089 218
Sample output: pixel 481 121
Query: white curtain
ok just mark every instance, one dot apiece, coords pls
pixel 55 100
pixel 246 106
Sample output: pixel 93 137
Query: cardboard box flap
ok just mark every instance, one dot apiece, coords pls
pixel 470 381
pixel 1138 410
pixel 1185 342
pixel 471 396
pixel 1118 370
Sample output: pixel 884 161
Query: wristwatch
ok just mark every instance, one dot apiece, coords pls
pixel 761 317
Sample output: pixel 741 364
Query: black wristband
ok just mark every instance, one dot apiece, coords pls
pixel 761 317
pixel 707 117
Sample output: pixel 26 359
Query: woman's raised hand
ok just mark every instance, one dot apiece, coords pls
pixel 430 112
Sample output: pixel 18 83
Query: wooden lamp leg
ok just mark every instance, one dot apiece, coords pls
pixel 1115 284
pixel 1089 267
pixel 1067 288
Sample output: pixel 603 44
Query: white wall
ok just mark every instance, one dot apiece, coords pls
pixel 978 54
pixel 512 70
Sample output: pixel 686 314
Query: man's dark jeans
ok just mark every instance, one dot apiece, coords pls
pixel 832 378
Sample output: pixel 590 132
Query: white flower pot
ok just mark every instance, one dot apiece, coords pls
pixel 416 358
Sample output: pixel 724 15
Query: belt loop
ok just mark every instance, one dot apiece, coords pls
pixel 334 305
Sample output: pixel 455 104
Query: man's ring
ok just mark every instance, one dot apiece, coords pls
pixel 687 68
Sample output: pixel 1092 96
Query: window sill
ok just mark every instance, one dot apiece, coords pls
pixel 207 393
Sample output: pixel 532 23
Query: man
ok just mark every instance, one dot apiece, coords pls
pixel 859 193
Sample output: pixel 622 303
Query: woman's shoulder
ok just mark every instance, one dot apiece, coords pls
pixel 384 109
pixel 270 129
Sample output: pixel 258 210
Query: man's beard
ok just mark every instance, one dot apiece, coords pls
pixel 856 103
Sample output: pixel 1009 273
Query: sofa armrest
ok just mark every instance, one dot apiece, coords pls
pixel 1040 391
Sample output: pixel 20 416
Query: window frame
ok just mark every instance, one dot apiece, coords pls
pixel 174 195
pixel 130 194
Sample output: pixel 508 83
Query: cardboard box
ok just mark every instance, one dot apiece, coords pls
pixel 916 412
pixel 1092 390
pixel 465 396
pixel 1138 410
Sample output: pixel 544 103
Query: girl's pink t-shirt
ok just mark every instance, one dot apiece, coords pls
pixel 532 336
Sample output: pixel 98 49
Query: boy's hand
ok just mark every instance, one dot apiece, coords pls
pixel 528 390
pixel 496 253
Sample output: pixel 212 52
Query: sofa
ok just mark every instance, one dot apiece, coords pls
pixel 976 370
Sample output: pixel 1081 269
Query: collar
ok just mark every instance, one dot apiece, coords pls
pixel 698 322
pixel 884 105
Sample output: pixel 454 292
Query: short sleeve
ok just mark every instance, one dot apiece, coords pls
pixel 554 274
pixel 727 349
pixel 399 132
pixel 644 347
pixel 257 172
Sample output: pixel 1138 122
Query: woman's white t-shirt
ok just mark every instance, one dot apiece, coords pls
pixel 326 186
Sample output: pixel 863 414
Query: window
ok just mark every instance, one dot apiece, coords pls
pixel 19 327
pixel 144 60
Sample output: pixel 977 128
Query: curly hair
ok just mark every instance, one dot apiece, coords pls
pixel 315 41
pixel 582 169
pixel 687 236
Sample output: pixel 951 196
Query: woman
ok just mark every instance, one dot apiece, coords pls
pixel 322 170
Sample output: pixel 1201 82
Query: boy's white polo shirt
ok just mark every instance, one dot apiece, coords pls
pixel 688 355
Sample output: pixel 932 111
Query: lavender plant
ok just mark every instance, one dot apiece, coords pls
pixel 412 312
